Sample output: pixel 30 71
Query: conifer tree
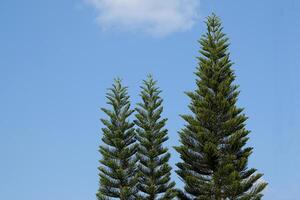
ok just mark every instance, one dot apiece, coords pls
pixel 213 152
pixel 118 177
pixel 155 172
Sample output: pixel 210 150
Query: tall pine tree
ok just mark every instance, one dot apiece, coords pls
pixel 155 183
pixel 118 177
pixel 213 152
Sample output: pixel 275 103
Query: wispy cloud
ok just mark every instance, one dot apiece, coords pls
pixel 155 17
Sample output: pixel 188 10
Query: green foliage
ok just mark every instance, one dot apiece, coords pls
pixel 214 156
pixel 154 170
pixel 118 176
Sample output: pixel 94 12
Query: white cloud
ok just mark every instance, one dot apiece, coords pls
pixel 155 17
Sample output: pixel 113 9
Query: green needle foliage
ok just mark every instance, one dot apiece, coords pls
pixel 118 177
pixel 214 156
pixel 154 170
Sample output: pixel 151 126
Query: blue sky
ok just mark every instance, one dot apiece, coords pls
pixel 58 58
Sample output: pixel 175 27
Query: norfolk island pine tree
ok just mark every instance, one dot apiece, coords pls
pixel 214 159
pixel 118 171
pixel 155 172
